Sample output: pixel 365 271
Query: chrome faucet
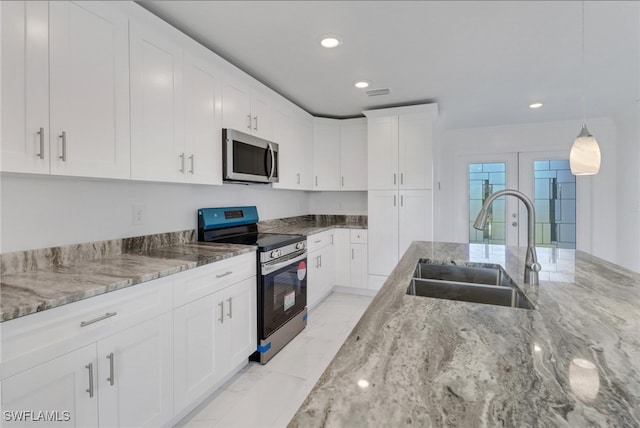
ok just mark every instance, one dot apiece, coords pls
pixel 531 265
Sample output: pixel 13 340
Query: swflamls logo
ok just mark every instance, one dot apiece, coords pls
pixel 36 415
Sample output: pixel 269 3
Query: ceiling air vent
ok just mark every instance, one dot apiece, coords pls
pixel 376 92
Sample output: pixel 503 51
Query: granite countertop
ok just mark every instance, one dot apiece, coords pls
pixel 312 224
pixel 574 361
pixel 23 293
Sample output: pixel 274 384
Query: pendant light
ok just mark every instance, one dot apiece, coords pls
pixel 585 152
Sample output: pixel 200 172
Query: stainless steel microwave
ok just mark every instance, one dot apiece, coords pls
pixel 249 159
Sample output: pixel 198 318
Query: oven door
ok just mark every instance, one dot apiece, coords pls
pixel 282 292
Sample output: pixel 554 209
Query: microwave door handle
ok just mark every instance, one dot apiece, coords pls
pixel 273 161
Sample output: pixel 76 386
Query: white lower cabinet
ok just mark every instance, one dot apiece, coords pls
pixel 60 385
pixel 351 258
pixel 124 380
pixel 320 267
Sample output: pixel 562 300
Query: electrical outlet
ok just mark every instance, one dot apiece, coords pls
pixel 138 215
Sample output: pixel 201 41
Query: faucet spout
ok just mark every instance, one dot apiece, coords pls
pixel 531 266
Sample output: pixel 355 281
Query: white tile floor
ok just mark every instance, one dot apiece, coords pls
pixel 268 396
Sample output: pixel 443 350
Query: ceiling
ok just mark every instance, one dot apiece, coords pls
pixel 483 62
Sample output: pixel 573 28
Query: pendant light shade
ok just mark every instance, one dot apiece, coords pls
pixel 585 154
pixel 584 157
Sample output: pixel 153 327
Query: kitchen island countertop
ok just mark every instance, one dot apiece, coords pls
pixel 573 361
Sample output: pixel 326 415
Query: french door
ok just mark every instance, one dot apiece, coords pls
pixel 544 177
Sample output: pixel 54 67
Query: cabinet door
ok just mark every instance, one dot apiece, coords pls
pixel 25 86
pixel 304 158
pixel 314 279
pixel 157 119
pixel 415 218
pixel 138 391
pixel 353 154
pixel 326 154
pixel 89 77
pixel 383 231
pixel 195 342
pixel 283 135
pixel 240 313
pixel 236 106
pixel 60 385
pixel 415 158
pixel 260 116
pixel 342 247
pixel 382 147
pixel 358 272
pixel 203 127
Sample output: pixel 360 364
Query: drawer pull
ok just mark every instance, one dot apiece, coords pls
pixel 103 317
pixel 222 275
pixel 317 241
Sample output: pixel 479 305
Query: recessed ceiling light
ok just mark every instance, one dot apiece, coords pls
pixel 535 105
pixel 361 84
pixel 330 41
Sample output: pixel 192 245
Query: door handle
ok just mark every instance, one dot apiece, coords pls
pixel 41 134
pixel 111 377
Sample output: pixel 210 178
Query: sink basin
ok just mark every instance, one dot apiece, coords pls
pixel 486 283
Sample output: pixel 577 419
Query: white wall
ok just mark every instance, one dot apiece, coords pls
pixel 45 211
pixel 347 203
pixel 596 211
pixel 628 186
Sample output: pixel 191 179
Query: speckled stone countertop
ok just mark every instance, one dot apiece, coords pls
pixel 312 224
pixel 34 281
pixel 574 361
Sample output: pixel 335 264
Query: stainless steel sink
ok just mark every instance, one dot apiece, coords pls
pixel 480 283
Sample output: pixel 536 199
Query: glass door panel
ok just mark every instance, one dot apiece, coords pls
pixel 485 179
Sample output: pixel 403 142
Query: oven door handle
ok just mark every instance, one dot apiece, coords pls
pixel 268 268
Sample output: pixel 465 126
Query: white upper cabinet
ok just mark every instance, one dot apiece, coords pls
pixel 353 154
pixel 339 154
pixel 293 132
pixel 89 86
pixel 25 86
pixel 203 119
pixel 157 105
pixel 67 62
pixel 400 144
pixel 415 160
pixel 382 141
pixel 245 109
pixel 326 154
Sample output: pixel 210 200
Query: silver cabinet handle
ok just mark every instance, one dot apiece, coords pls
pixel 332 239
pixel 192 166
pixel 343 181
pixel 64 146
pixel 298 174
pixel 103 317
pixel 230 314
pixel 90 390
pixel 394 178
pixel 249 117
pixel 111 377
pixel 320 258
pixel 255 118
pixel 41 134
pixel 353 253
pixel 317 241
pixel 402 200
pixel 222 275
pixel 221 319
pixel 181 163
pixel 316 180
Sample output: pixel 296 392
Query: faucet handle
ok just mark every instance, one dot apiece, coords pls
pixel 535 267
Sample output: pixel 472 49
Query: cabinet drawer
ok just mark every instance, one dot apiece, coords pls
pixel 319 240
pixel 196 283
pixel 47 334
pixel 358 236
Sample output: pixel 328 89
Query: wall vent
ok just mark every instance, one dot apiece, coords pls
pixel 376 92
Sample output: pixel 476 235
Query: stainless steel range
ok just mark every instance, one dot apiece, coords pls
pixel 282 273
